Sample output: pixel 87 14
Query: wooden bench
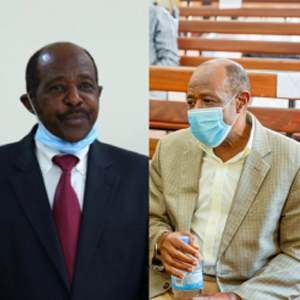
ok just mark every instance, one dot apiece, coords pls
pixel 235 45
pixel 244 46
pixel 239 27
pixel 248 63
pixel 171 115
pixel 256 11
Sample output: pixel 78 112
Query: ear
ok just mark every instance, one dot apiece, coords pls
pixel 24 99
pixel 100 88
pixel 243 100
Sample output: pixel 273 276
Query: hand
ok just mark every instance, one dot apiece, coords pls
pixel 171 247
pixel 216 296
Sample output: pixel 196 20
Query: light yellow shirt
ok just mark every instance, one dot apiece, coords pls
pixel 217 186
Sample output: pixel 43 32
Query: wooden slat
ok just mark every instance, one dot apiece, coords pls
pixel 279 119
pixel 176 79
pixel 258 47
pixel 170 115
pixel 173 79
pixel 271 12
pixel 152 145
pixel 173 115
pixel 239 27
pixel 248 63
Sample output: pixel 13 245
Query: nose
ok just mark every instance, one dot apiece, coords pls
pixel 199 104
pixel 73 97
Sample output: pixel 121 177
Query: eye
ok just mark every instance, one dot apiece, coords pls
pixel 86 85
pixel 191 103
pixel 57 88
pixel 207 100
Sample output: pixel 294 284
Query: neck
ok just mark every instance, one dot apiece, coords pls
pixel 236 140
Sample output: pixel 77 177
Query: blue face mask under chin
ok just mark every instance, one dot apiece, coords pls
pixel 47 138
pixel 207 124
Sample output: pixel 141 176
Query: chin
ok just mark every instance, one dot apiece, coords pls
pixel 74 137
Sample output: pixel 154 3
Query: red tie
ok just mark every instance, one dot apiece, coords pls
pixel 66 211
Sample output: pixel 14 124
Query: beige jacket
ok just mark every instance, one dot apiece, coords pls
pixel 259 254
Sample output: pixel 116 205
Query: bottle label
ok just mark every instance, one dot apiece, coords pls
pixel 194 278
pixel 191 281
pixel 178 282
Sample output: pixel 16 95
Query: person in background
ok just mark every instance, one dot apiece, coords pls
pixel 163 48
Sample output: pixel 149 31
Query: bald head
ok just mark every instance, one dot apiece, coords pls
pixel 230 76
pixel 49 54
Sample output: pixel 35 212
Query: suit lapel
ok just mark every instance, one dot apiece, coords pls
pixel 29 187
pixel 252 177
pixel 189 182
pixel 100 189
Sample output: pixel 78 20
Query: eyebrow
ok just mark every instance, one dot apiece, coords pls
pixel 204 94
pixel 52 80
pixel 87 76
pixel 62 77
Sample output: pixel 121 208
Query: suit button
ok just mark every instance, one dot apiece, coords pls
pixel 167 285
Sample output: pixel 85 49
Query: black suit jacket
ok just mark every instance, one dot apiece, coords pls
pixel 112 250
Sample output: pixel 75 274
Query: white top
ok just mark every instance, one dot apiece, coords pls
pixel 51 172
pixel 217 186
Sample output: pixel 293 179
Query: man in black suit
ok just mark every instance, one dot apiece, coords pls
pixel 77 232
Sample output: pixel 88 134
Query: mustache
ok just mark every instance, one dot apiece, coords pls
pixel 74 111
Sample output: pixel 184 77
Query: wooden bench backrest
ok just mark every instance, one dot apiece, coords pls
pixel 248 63
pixel 270 12
pixel 239 27
pixel 176 79
pixel 244 46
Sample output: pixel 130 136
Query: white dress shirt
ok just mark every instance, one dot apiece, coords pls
pixel 51 172
pixel 217 186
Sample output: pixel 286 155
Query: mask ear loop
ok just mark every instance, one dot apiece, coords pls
pixel 32 106
pixel 229 101
pixel 227 105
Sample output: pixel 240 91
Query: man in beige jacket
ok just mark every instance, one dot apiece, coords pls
pixel 233 184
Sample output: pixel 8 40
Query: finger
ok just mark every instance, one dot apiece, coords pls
pixel 193 238
pixel 182 246
pixel 183 258
pixel 178 265
pixel 170 248
pixel 167 248
pixel 194 241
pixel 173 271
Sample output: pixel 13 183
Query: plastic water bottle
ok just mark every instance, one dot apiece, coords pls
pixel 192 283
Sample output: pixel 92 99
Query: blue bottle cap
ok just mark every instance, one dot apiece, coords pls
pixel 185 238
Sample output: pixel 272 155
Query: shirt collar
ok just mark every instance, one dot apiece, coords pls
pixel 45 154
pixel 209 150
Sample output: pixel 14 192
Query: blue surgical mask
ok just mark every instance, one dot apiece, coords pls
pixel 47 138
pixel 207 124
